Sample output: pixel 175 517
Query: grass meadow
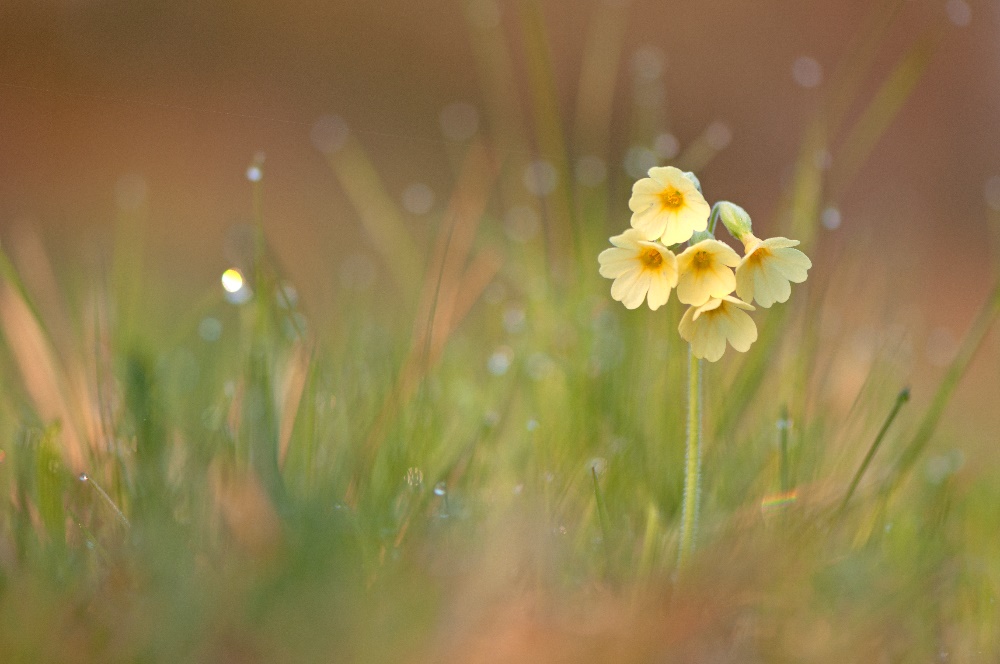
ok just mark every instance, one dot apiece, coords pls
pixel 474 454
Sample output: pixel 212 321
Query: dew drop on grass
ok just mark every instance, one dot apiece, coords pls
pixel 83 477
pixel 440 489
pixel 532 424
pixel 598 465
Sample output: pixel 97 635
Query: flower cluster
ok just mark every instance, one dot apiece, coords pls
pixel 668 209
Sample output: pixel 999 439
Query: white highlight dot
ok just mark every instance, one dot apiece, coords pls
pixel 418 198
pixel 830 218
pixel 959 12
pixel 807 71
pixel 540 178
pixel 718 135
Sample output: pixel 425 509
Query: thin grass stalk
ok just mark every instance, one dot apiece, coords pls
pixel 602 518
pixel 783 426
pixel 692 463
pixel 902 398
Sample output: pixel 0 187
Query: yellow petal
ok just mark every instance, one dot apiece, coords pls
pixel 742 331
pixel 623 284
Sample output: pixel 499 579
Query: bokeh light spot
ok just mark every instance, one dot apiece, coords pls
pixel 638 161
pixel 830 218
pixel 807 72
pixel 459 121
pixel 648 63
pixel 418 198
pixel 959 12
pixel 329 134
pixel 991 192
pixel 232 280
pixel 666 146
pixel 540 178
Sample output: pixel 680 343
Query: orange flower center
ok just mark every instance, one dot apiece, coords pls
pixel 671 199
pixel 702 260
pixel 759 255
pixel 651 258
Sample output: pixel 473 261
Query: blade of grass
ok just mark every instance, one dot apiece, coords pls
pixel 783 425
pixel 602 518
pixel 902 398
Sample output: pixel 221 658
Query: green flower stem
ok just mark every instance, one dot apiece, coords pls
pixel 692 462
pixel 713 219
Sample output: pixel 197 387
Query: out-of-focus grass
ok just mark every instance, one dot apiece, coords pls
pixel 483 462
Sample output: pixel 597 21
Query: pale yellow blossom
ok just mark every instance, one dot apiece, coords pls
pixel 706 271
pixel 667 206
pixel 708 327
pixel 642 270
pixel 767 268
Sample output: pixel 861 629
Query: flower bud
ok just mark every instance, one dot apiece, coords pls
pixel 694 180
pixel 735 218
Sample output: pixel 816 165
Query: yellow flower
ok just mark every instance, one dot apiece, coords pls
pixel 767 268
pixel 642 270
pixel 705 272
pixel 721 319
pixel 667 206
